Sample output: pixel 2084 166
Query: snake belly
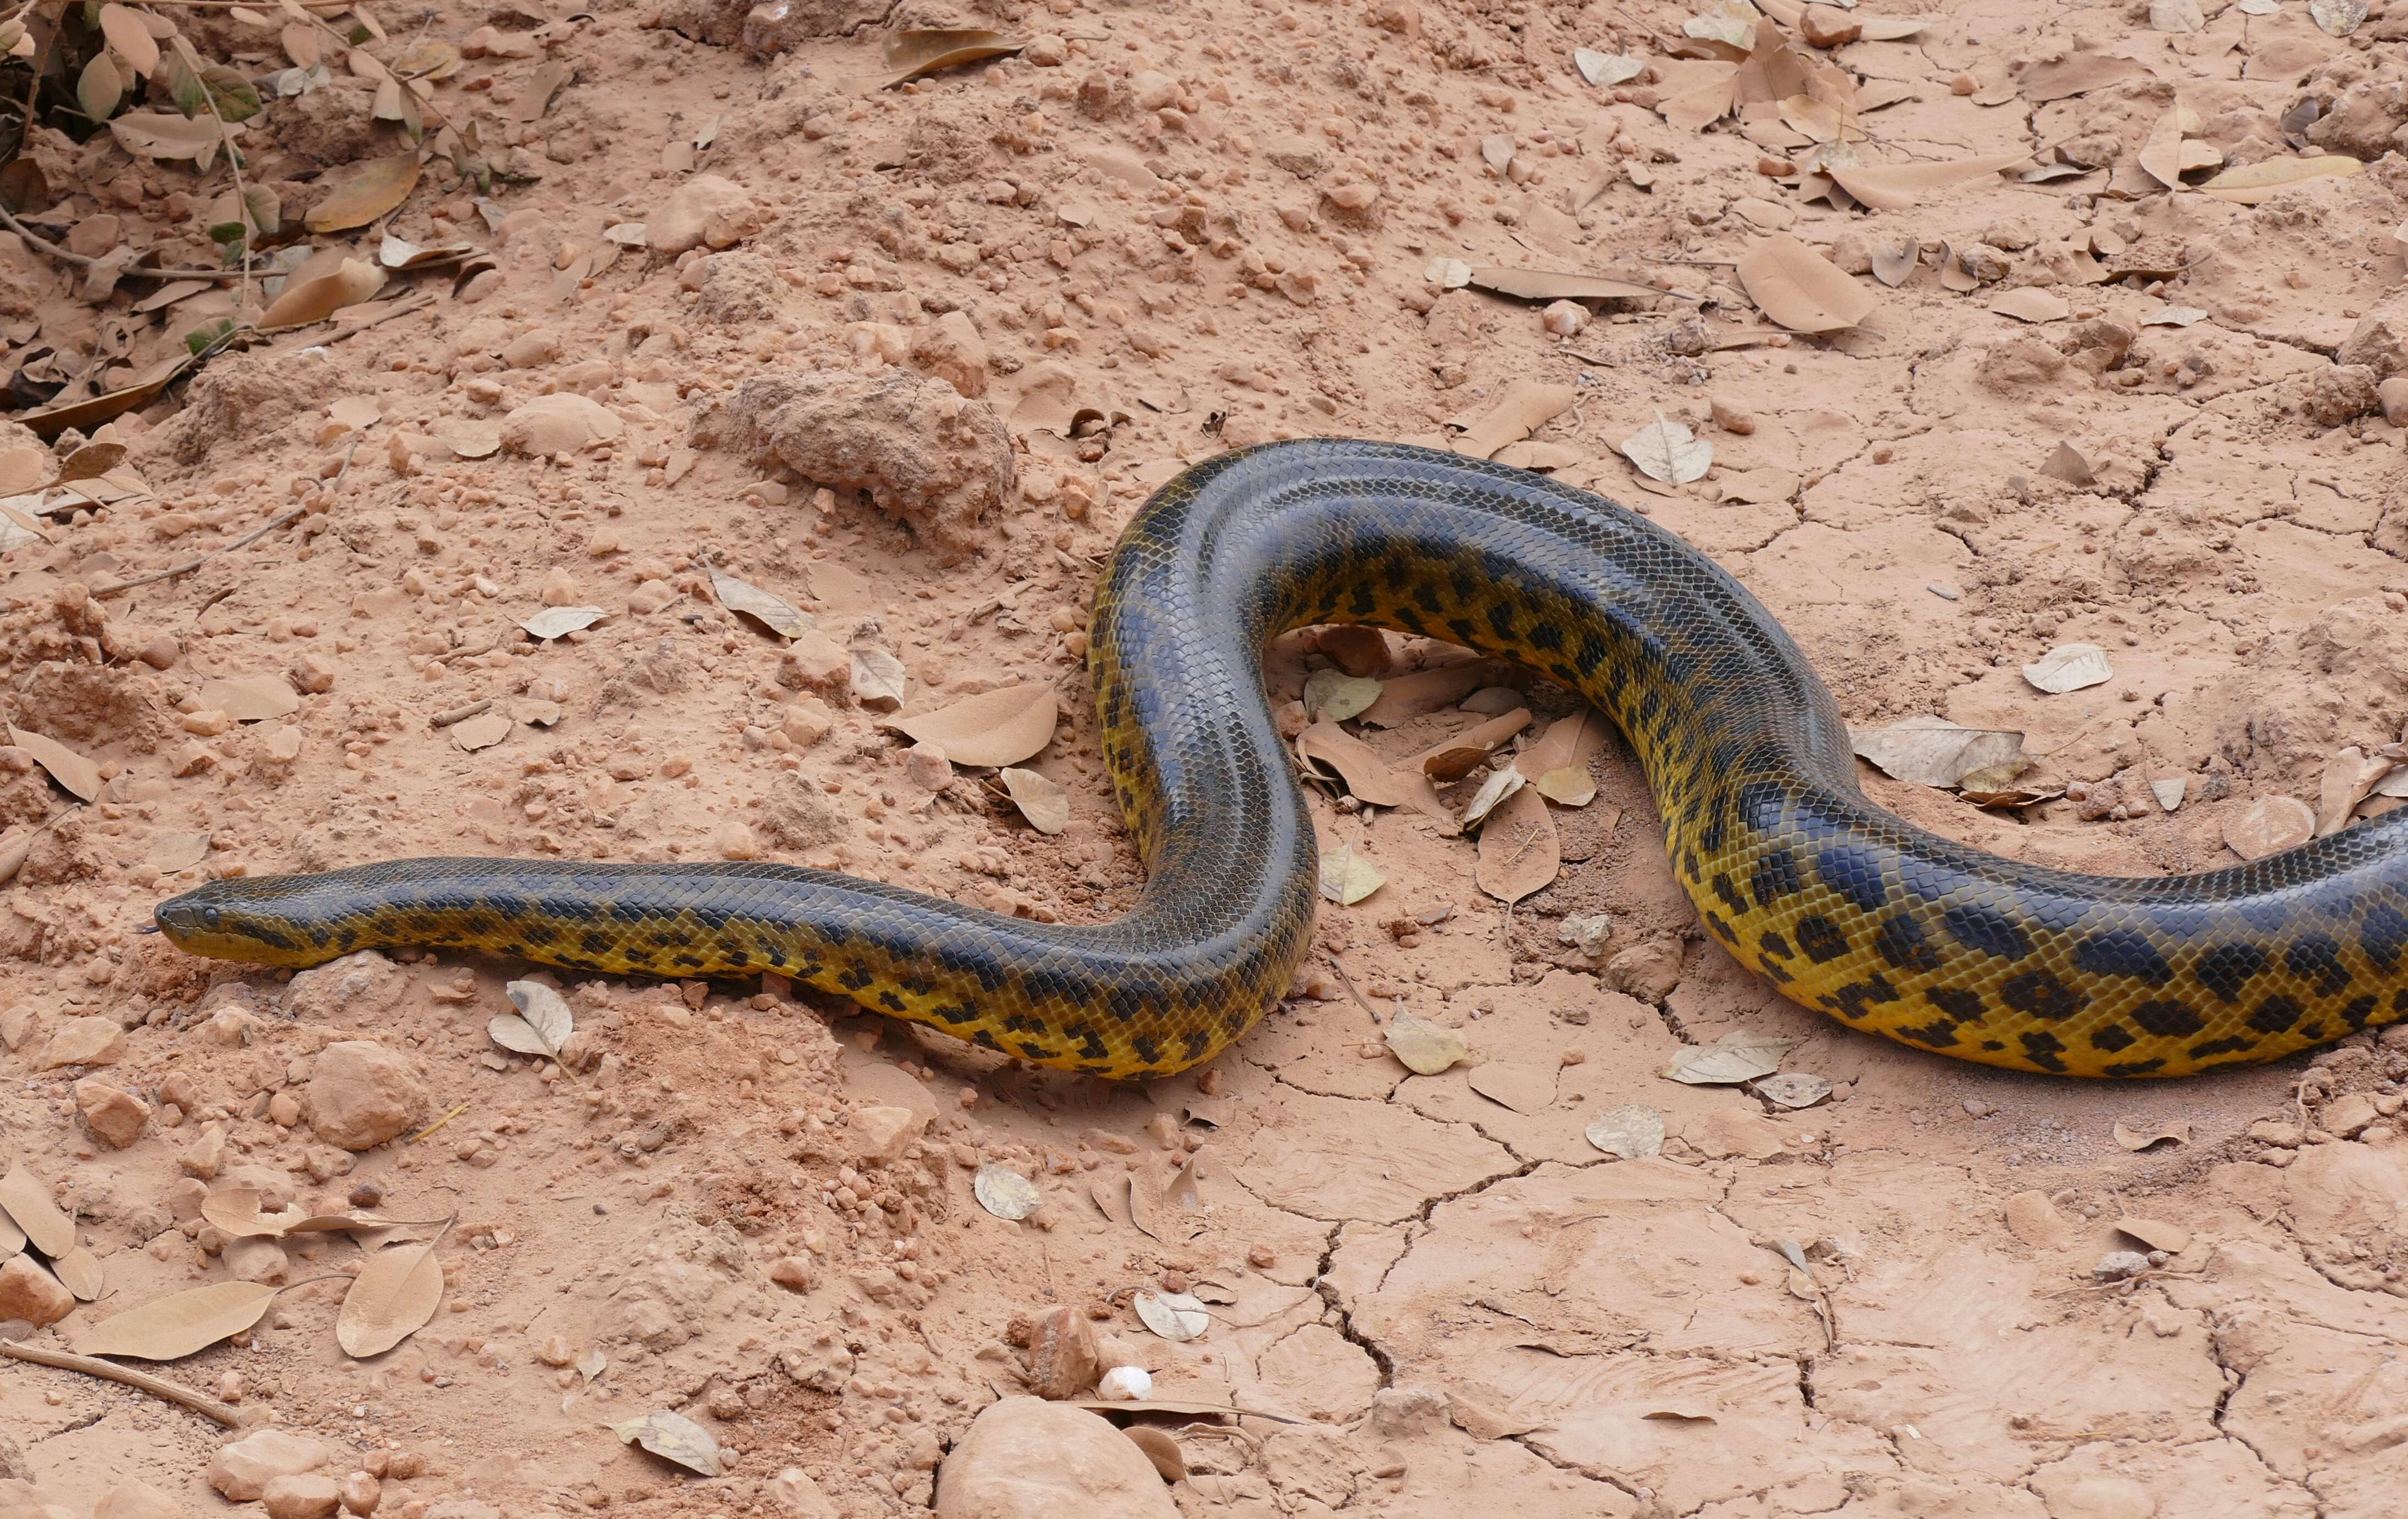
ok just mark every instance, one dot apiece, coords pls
pixel 1843 907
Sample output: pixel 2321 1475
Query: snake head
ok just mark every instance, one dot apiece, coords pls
pixel 235 920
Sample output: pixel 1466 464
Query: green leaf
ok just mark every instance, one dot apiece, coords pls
pixel 100 88
pixel 266 211
pixel 199 338
pixel 184 87
pixel 237 100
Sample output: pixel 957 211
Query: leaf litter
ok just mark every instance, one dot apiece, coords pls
pixel 674 1438
pixel 180 1323
pixel 1741 1055
pixel 749 600
pixel 996 727
pixel 1425 1047
pixel 392 1298
pixel 541 1027
pixel 1630 1132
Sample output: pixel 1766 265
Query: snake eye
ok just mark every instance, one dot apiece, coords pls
pixel 209 916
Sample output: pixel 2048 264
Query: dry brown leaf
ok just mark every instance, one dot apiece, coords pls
pixel 1518 849
pixel 1040 800
pixel 2032 304
pixel 2076 73
pixel 1800 289
pixel 2269 825
pixel 673 1436
pixel 2263 180
pixel 1528 404
pixel 558 622
pixel 2139 1136
pixel 2349 778
pixel 315 300
pixel 2162 155
pixel 378 186
pixel 250 698
pixel 78 775
pixel 878 679
pixel 1425 1047
pixel 1555 285
pixel 1346 878
pixel 2069 666
pixel 1452 759
pixel 537 98
pixel 180 1324
pixel 1404 697
pixel 26 1199
pixel 997 727
pixel 914 52
pixel 128 36
pixel 1697 96
pixel 483 731
pixel 2066 463
pixel 1570 743
pixel 1932 751
pixel 392 1298
pixel 166 135
pixel 88 413
pixel 1668 451
pixel 173 851
pixel 80 1271
pixel 1523 1089
pixel 1898 187
pixel 1367 775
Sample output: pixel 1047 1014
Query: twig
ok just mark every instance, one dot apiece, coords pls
pixel 460 714
pixel 1348 982
pixel 208 1408
pixel 80 262
pixel 191 565
pixel 419 304
pixel 234 164
pixel 431 1128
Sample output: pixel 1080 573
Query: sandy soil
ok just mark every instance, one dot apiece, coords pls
pixel 1032 289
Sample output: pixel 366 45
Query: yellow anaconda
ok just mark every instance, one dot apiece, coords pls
pixel 1845 908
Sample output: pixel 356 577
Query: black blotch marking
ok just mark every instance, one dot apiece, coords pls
pixel 955 1013
pixel 1900 941
pixel 1772 944
pixel 2275 1015
pixel 1938 1035
pixel 2040 994
pixel 1857 1000
pixel 1126 1002
pixel 1978 926
pixel 1964 1005
pixel 2122 953
pixel 1090 1045
pixel 1722 930
pixel 2043 1048
pixel 1020 1023
pixel 593 943
pixel 2226 969
pixel 1546 635
pixel 1197 1040
pixel 1147 1050
pixel 1820 937
pixel 2224 1046
pixel 851 981
pixel 2383 935
pixel 2316 958
pixel 1500 617
pixel 2134 1068
pixel 2359 1012
pixel 891 1002
pixel 1030 1049
pixel 1856 873
pixel 537 932
pixel 1728 893
pixel 2169 1019
pixel 692 962
pixel 2113 1038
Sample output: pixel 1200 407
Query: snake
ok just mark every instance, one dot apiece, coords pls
pixel 1843 907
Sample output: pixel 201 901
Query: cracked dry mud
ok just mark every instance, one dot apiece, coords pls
pixel 1454 1299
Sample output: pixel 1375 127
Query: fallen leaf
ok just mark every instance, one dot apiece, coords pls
pixel 78 775
pixel 2251 183
pixel 2139 1136
pixel 1736 1057
pixel 2032 304
pixel 593 1363
pixel 1005 1193
pixel 1891 28
pixel 2079 72
pixel 1800 289
pixel 1528 404
pixel 1172 1316
pixel 674 1438
pixel 2170 793
pixel 474 439
pixel 483 731
pixel 250 698
pixel 172 852
pixel 2175 16
pixel 314 300
pixel 1556 285
pixel 878 679
pixel 1800 1090
pixel 1452 759
pixel 165 135
pixel 1369 775
pixel 2173 316
pixel 2349 778
pixel 1669 451
pixel 2269 825
pixel 26 1199
pixel 129 36
pixel 356 412
pixel 14 846
pixel 166 1328
pixel 378 187
pixel 1607 68
pixel 1898 187
pixel 2069 666
pixel 1522 1089
pixel 2067 463
pixel 84 415
pixel 1448 273
pixel 1333 695
pixel 1567 786
pixel 100 88
pixel 540 1027
pixel 914 52
pixel 2156 1234
pixel 553 622
pixel 1519 852
pixel 1493 791
pixel 1932 751
pixel 1820 121
pixel 79 1271
pixel 1347 878
pixel 1630 1132
pixel 1039 798
pixel 1569 743
pixel 1762 485
pixel 996 727
pixel 393 1296
pixel 2161 154
pixel 1425 1047
pixel 535 98
pixel 91 462
pixel 2337 18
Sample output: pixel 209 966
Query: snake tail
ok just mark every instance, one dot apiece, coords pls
pixel 1846 908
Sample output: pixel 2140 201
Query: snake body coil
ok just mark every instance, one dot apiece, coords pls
pixel 1845 908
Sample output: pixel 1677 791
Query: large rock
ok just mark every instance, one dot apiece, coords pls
pixel 923 451
pixel 114 1116
pixel 30 1293
pixel 136 1500
pixel 84 1042
pixel 308 1494
pixel 951 349
pixel 705 212
pixel 241 1470
pixel 1026 1459
pixel 362 1093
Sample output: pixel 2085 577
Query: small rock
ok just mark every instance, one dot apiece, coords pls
pixel 83 1041
pixel 242 1468
pixel 2393 395
pixel 1153 89
pixel 809 719
pixel 815 662
pixel 1648 970
pixel 256 1260
pixel 30 1293
pixel 530 349
pixel 2345 1116
pixel 1829 26
pixel 2116 1265
pixel 18 1027
pixel 952 350
pixel 307 1496
pixel 927 768
pixel 792 1273
pixel 114 1116
pixel 207 1154
pixel 1045 50
pixel 563 423
pixel 1733 418
pixel 795 1496
pixel 1591 933
pixel 360 1493
pixel 1027 1459
pixel 881 1135
pixel 2343 392
pixel 1063 1358
pixel 136 1500
pixel 2273 1131
pixel 706 209
pixel 362 1093
pixel 1564 318
pixel 2034 1220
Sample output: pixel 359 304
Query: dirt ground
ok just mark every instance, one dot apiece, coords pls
pixel 984 314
